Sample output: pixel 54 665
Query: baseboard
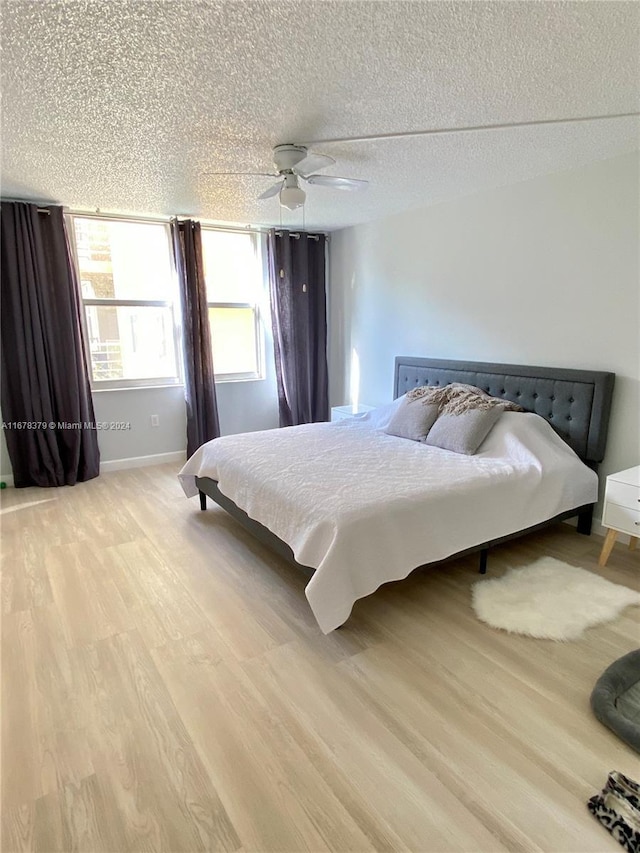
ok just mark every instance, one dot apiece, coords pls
pixel 130 462
pixel 143 461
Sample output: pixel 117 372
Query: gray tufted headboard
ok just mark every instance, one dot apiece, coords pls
pixel 575 402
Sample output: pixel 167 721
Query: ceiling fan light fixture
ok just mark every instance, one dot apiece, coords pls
pixel 291 196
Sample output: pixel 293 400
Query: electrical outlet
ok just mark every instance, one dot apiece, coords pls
pixel 155 420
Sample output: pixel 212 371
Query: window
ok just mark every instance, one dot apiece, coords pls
pixel 128 291
pixel 235 285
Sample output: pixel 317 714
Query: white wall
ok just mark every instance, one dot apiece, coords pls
pixel 544 272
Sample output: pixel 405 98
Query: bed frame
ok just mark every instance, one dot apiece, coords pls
pixel 576 403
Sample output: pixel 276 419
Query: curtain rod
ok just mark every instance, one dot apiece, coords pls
pixel 97 214
pixel 298 234
pixel 251 228
pixel 39 204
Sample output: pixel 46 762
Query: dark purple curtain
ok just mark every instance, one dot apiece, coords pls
pixel 45 381
pixel 199 385
pixel 299 316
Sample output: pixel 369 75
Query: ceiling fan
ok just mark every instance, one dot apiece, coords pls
pixel 295 163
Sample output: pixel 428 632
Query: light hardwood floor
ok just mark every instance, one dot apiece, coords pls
pixel 165 687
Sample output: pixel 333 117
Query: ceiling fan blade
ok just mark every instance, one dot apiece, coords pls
pixel 337 183
pixel 274 190
pixel 247 174
pixel 312 162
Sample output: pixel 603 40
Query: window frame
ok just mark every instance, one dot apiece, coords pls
pixel 173 304
pixel 258 324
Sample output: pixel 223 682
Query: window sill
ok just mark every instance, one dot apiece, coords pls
pixel 226 380
pixel 95 390
pixel 218 381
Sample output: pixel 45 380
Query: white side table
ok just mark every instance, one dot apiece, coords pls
pixel 621 509
pixel 339 413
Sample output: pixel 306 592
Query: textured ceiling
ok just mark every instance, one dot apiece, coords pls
pixel 125 105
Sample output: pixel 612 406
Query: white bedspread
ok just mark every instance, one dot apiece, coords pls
pixel 363 508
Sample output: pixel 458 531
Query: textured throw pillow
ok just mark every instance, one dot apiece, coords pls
pixel 413 419
pixel 463 432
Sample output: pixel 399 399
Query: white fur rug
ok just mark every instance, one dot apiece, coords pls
pixel 550 600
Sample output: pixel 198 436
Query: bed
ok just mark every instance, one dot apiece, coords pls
pixel 360 507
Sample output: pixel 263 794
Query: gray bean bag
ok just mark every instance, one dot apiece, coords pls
pixel 615 699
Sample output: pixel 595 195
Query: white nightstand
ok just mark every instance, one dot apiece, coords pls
pixel 621 509
pixel 339 413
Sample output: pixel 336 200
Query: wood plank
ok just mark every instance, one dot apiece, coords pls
pixel 400 789
pixel 44 743
pixel 273 795
pixel 25 582
pixel 155 595
pixel 140 744
pixel 16 832
pixel 90 602
pixel 78 817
